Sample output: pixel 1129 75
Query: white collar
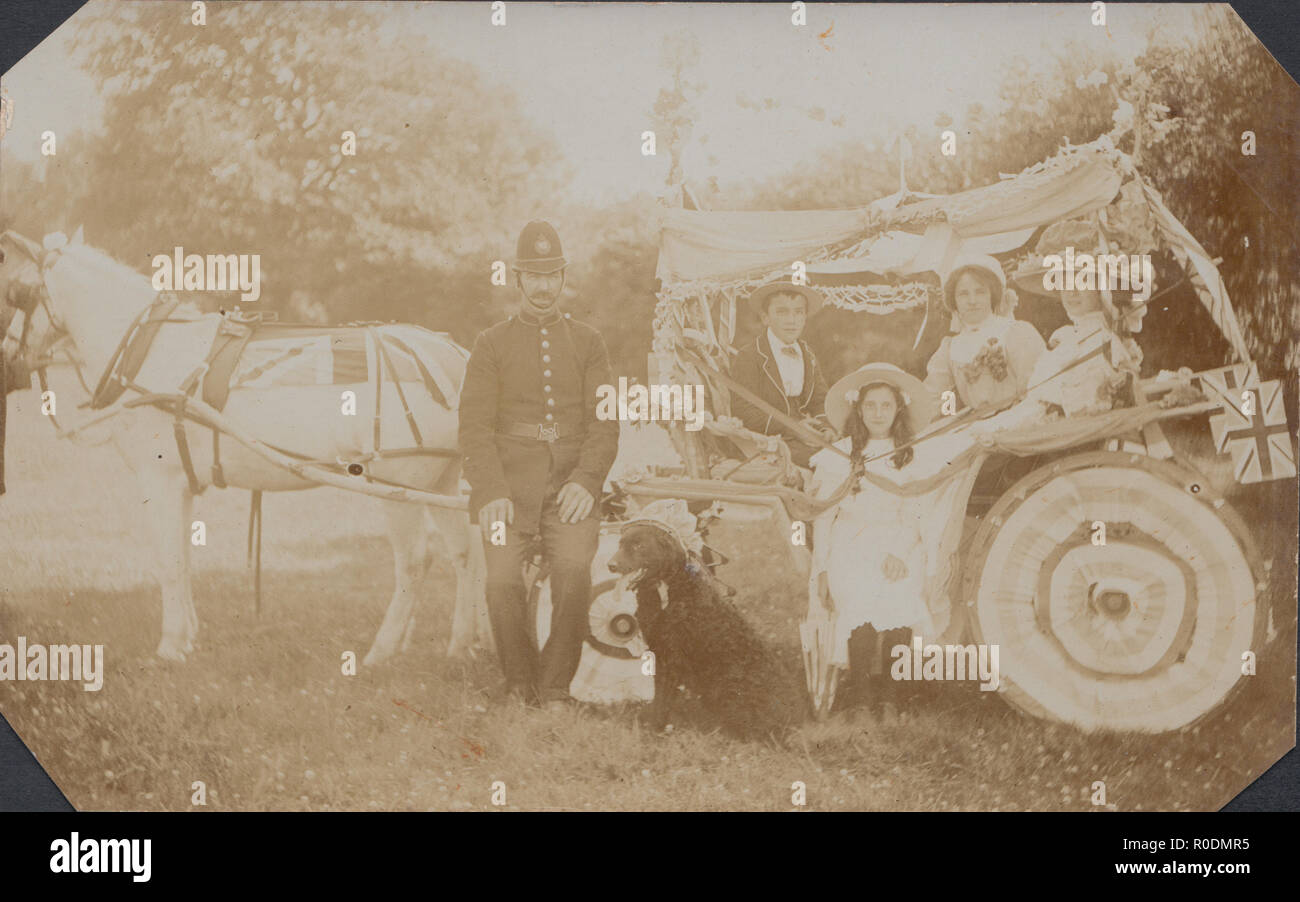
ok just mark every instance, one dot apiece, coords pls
pixel 971 339
pixel 777 344
pixel 993 324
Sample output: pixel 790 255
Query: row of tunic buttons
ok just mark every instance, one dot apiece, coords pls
pixel 546 358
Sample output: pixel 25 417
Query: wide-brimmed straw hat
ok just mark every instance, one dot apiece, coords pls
pixel 1083 235
pixel 984 263
pixel 758 299
pixel 919 402
pixel 673 517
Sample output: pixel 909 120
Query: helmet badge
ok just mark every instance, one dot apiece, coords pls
pixel 542 245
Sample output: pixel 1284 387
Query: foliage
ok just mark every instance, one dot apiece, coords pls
pixel 230 138
pixel 1182 111
pixel 674 109
pixel 1241 208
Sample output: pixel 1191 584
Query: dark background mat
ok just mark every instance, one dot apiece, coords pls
pixel 24 785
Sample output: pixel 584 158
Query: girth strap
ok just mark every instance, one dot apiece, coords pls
pixel 183 448
pixel 229 343
pixel 178 427
pixel 218 475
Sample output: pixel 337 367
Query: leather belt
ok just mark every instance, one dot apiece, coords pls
pixel 543 432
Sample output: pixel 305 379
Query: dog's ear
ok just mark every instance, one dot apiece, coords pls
pixel 670 553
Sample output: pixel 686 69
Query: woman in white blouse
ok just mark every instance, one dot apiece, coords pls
pixel 989 360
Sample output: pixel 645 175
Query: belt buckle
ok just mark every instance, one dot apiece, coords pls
pixel 548 432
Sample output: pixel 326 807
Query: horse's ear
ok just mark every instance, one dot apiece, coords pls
pixel 79 237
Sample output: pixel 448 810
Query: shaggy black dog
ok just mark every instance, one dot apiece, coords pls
pixel 701 641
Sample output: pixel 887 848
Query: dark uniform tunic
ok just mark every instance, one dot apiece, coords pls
pixel 528 425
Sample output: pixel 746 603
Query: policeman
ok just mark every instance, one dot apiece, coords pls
pixel 536 456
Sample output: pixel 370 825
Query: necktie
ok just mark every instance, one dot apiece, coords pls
pixel 790 351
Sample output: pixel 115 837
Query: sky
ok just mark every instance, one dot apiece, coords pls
pixel 773 94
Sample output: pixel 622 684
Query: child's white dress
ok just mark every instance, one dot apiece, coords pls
pixel 852 541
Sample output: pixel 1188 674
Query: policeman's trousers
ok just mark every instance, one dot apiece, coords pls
pixel 568 549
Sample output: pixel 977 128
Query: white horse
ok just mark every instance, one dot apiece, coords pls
pixel 79 294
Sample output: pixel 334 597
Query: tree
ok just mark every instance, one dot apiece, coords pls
pixel 236 137
pixel 674 110
pixel 1243 208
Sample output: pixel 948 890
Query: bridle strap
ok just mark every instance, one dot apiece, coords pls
pixel 37 296
pixel 27 308
pixel 104 378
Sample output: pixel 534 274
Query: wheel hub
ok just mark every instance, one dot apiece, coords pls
pixel 1113 603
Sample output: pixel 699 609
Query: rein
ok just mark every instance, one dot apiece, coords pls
pixel 158 311
pixel 27 308
pixel 41 364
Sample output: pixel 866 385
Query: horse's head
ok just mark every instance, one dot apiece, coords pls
pixel 32 328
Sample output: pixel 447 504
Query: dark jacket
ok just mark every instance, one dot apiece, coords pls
pixel 755 369
pixel 509 371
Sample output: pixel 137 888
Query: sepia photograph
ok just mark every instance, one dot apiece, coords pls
pixel 649 407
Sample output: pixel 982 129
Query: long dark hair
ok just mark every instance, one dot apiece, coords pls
pixel 900 432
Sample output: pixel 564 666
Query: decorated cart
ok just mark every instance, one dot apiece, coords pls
pixel 1148 628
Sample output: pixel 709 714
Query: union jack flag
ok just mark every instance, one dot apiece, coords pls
pixel 1251 425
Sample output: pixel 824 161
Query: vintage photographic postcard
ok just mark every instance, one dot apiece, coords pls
pixel 622 407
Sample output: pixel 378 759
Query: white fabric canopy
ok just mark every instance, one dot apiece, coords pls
pixel 735 245
pixel 903 253
pixel 904 234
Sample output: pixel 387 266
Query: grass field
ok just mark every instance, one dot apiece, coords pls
pixel 263 715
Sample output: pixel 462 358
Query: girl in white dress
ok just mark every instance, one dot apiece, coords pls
pixel 868 555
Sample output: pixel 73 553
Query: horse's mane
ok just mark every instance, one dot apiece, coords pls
pixel 100 265
pixel 93 269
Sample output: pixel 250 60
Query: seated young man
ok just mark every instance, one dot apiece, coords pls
pixel 780 367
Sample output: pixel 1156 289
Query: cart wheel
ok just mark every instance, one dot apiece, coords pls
pixel 1143 629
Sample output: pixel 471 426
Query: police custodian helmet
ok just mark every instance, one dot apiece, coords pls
pixel 539 249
